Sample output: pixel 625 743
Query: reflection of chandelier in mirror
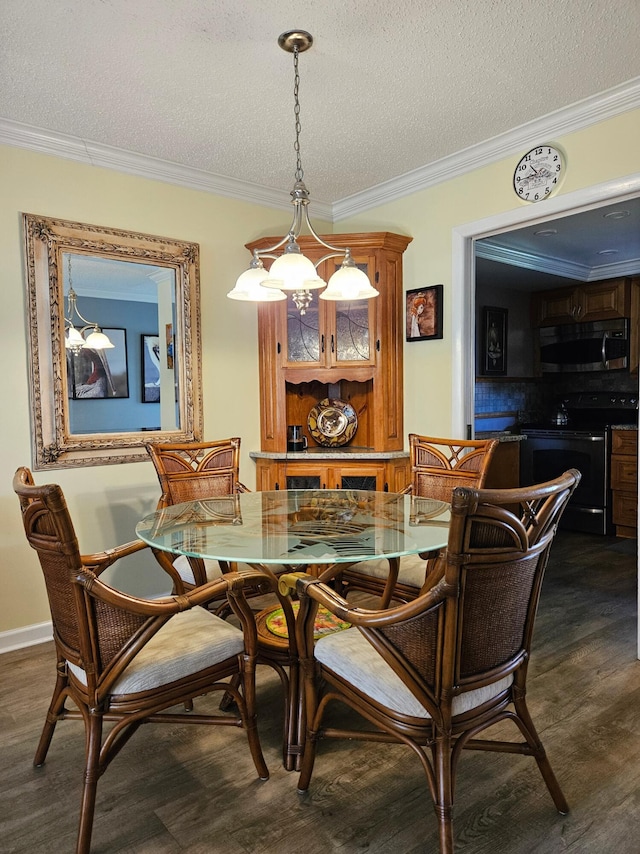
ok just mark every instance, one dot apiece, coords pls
pixel 74 339
pixel 292 271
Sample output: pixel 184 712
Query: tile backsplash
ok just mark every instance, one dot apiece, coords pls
pixel 504 405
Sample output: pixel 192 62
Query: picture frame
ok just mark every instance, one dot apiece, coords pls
pixel 494 341
pixel 100 374
pixel 150 362
pixel 423 310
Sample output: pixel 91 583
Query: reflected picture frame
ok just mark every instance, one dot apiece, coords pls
pixel 494 341
pixel 150 362
pixel 423 313
pixel 100 374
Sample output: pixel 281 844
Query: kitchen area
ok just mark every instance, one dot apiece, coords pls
pixel 557 379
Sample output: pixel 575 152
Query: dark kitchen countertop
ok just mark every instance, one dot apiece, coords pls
pixel 501 435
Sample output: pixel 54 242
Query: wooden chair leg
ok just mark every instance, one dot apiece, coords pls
pixel 441 750
pixel 308 761
pixel 527 728
pixel 53 714
pixel 248 714
pixel 92 773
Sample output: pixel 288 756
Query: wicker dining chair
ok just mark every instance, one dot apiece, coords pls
pixel 189 471
pixel 437 467
pixel 437 671
pixel 126 660
pixel 199 470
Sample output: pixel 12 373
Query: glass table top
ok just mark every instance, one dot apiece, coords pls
pixel 299 526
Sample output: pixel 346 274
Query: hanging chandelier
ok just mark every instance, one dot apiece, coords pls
pixel 74 339
pixel 291 271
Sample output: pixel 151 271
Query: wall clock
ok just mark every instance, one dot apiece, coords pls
pixel 538 173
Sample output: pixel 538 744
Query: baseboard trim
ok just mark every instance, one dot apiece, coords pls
pixel 26 636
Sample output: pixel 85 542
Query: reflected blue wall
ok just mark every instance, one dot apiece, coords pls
pixel 119 414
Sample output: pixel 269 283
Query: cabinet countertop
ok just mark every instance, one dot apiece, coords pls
pixel 501 436
pixel 316 454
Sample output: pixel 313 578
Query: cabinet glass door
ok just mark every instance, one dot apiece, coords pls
pixel 303 334
pixel 352 332
pixel 352 325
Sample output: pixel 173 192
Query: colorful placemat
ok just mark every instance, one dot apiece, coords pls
pixel 326 622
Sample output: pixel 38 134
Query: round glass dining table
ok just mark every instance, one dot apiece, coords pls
pixel 299 527
pixel 315 531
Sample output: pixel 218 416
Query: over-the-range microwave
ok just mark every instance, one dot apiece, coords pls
pixel 576 347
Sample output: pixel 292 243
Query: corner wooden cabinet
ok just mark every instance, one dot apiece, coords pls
pixel 352 351
pixel 624 481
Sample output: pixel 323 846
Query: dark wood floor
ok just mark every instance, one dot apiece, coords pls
pixel 190 789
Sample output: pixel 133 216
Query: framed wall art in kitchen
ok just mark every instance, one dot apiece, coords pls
pixel 494 341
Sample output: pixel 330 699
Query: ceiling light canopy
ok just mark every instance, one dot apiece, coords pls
pixel 292 271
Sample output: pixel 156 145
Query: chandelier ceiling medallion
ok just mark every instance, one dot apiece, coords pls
pixel 74 339
pixel 291 271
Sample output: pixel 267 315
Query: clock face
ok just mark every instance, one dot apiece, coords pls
pixel 538 173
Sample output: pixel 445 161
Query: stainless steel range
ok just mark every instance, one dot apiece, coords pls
pixel 579 436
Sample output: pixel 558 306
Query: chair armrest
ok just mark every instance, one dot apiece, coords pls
pixel 307 586
pixel 100 561
pixel 232 582
pixel 240 487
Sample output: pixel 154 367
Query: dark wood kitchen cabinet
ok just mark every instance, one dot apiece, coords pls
pixel 624 481
pixel 583 303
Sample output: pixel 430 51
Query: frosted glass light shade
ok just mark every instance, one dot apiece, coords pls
pixel 293 272
pixel 73 338
pixel 98 341
pixel 248 287
pixel 349 283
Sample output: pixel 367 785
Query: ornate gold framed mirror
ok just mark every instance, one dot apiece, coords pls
pixel 114 335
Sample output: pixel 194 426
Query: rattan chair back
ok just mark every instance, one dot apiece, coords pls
pixel 438 466
pixel 189 471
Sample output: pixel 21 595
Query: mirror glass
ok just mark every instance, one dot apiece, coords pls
pixel 98 400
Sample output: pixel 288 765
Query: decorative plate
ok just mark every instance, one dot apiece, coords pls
pixel 332 422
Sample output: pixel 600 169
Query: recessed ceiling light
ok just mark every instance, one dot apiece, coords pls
pixel 608 252
pixel 616 215
pixel 545 232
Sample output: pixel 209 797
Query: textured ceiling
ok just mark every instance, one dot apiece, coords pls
pixel 385 89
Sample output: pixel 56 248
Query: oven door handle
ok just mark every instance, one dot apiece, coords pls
pixel 603 352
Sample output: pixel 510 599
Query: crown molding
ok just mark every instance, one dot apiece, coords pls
pixel 597 108
pixel 109 157
pixel 582 114
pixel 555 266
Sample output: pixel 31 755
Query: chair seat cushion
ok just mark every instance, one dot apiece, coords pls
pixel 190 641
pixel 351 656
pixel 183 568
pixel 212 569
pixel 412 570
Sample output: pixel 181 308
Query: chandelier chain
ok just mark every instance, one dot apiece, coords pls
pixel 296 112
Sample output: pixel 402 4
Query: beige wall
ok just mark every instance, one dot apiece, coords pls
pixel 106 501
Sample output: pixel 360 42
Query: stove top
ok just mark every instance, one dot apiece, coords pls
pixel 590 412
